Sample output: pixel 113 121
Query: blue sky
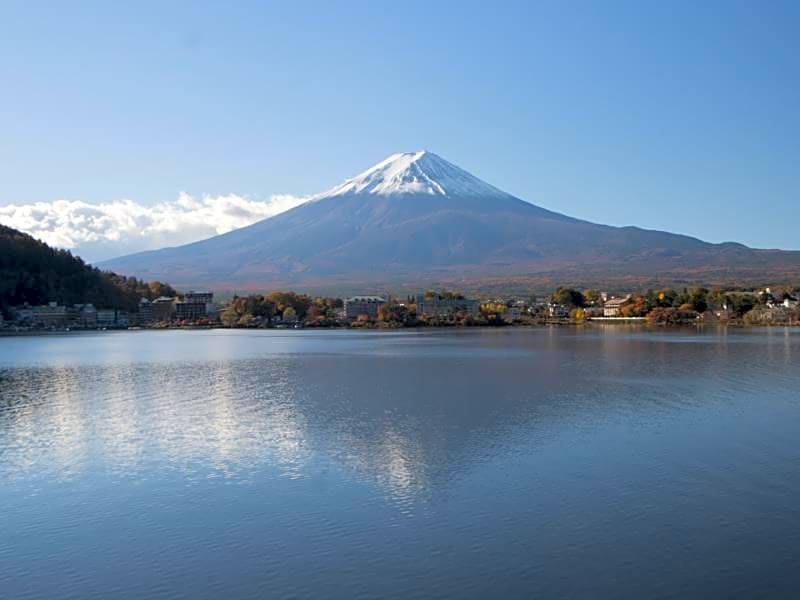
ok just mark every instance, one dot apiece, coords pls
pixel 681 116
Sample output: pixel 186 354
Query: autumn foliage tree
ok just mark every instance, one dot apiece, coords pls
pixel 250 311
pixel 636 306
pixel 569 297
pixel 300 303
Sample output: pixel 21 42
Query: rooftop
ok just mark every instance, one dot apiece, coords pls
pixel 365 299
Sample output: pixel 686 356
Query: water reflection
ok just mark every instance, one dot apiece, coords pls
pixel 415 414
pixel 205 419
pixel 345 465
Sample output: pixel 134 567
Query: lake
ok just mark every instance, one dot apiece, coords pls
pixel 515 463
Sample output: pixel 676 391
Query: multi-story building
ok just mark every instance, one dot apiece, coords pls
pixel 436 306
pixel 195 306
pixel 106 317
pixel 82 315
pixel 199 297
pixel 53 314
pixel 49 315
pixel 160 309
pixel 144 312
pixel 112 317
pixel 78 315
pixel 613 305
pixel 363 305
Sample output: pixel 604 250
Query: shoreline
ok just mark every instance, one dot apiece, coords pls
pixel 576 324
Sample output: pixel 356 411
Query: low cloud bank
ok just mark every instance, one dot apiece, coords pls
pixel 97 232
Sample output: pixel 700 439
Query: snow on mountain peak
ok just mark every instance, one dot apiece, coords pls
pixel 419 172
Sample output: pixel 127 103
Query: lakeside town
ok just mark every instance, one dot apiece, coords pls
pixel 765 306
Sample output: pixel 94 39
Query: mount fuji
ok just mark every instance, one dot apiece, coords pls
pixel 417 219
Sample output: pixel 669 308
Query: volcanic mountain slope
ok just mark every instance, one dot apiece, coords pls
pixel 417 218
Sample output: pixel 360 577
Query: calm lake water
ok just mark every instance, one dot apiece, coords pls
pixel 605 462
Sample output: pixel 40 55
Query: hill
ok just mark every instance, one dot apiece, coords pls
pixel 417 219
pixel 33 272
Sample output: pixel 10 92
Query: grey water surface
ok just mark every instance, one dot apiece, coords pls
pixel 520 463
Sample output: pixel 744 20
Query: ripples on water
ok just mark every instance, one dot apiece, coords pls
pixel 521 463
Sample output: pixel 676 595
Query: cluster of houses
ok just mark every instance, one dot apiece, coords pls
pixel 788 302
pixel 192 307
pixel 774 308
pixel 608 307
pixel 437 306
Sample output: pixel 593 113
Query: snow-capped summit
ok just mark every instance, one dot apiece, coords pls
pixel 420 172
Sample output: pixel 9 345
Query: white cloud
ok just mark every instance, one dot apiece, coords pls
pixel 100 231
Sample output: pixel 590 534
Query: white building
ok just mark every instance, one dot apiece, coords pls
pixel 613 305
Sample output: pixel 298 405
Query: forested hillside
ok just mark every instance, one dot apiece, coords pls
pixel 33 272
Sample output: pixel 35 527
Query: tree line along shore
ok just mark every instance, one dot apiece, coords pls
pixel 280 309
pixel 777 306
